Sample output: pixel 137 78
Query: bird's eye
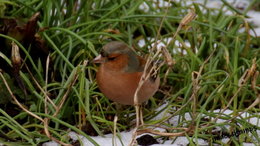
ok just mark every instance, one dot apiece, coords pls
pixel 111 58
pixel 103 54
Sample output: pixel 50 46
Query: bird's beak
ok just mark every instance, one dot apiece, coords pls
pixel 98 59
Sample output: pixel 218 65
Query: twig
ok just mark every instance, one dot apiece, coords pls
pixel 139 132
pixel 16 67
pixel 186 20
pixel 16 101
pixel 46 83
pixel 244 78
pixel 196 87
pixel 134 135
pixel 46 119
pixel 68 90
pixel 146 74
pixel 30 113
pixel 114 131
pixel 39 86
pixel 253 74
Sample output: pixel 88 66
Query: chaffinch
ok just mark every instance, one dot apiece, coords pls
pixel 120 72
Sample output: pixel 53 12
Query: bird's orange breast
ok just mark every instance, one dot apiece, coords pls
pixel 120 86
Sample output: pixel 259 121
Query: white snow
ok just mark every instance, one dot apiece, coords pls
pixel 214 4
pixel 104 141
pixel 126 136
pixel 164 42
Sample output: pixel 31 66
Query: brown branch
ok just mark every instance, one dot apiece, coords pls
pixel 253 73
pixel 39 86
pixel 139 132
pixel 16 101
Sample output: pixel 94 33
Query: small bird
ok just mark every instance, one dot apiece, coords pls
pixel 119 74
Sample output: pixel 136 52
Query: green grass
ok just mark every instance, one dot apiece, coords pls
pixel 75 33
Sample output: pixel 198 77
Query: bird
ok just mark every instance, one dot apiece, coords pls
pixel 119 74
